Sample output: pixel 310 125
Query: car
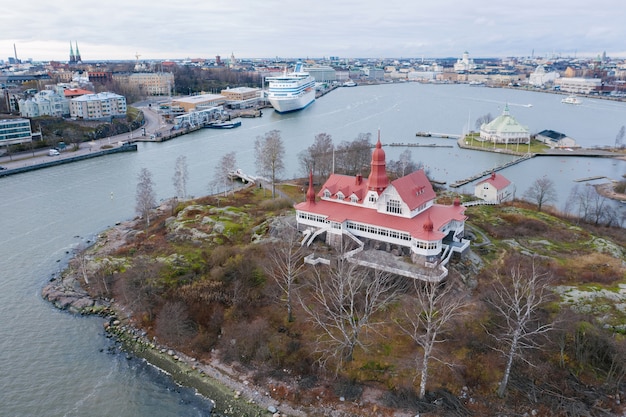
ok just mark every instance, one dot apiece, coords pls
pixel 53 152
pixel 2 168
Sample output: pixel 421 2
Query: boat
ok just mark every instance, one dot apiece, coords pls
pixel 349 83
pixel 229 124
pixel 291 91
pixel 476 83
pixel 571 99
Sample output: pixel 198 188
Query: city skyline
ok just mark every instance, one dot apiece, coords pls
pixel 249 29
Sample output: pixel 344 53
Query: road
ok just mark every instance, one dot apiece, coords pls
pixel 153 125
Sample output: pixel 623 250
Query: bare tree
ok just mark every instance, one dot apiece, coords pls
pixel 403 166
pixel 223 169
pixel 342 301
pixel 485 118
pixel 427 315
pixel 319 156
pixel 181 176
pixel 354 157
pixel 592 207
pixel 619 139
pixel 541 192
pixel 270 152
pixel 173 323
pixel 145 197
pixel 517 300
pixel 285 262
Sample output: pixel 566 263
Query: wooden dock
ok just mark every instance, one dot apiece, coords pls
pixel 241 176
pixel 487 172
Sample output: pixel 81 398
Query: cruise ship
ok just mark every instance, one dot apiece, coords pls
pixel 291 91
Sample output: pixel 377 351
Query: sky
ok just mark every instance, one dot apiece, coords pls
pixel 179 29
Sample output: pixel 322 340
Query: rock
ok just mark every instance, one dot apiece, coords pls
pixel 272 409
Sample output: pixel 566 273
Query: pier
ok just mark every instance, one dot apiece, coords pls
pixel 417 145
pixel 241 176
pixel 459 183
pixel 437 135
pixel 597 177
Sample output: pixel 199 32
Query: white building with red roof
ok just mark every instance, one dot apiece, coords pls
pixel 496 188
pixel 380 222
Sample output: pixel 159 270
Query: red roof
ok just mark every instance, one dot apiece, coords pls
pixel 498 181
pixel 415 189
pixel 438 215
pixel 347 184
pixel 76 92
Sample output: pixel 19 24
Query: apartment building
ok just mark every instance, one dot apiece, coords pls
pixel 99 106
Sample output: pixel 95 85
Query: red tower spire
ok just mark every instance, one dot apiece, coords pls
pixel 378 174
pixel 310 193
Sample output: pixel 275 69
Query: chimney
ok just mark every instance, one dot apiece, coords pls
pixel 359 179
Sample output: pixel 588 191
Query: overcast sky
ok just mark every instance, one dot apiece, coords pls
pixel 174 29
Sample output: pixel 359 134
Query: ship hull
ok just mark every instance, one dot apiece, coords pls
pixel 289 104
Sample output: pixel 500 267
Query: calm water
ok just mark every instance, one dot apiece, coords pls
pixel 55 364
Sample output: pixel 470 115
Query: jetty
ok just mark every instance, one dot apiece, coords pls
pixel 422 145
pixel 459 183
pixel 438 135
pixel 241 176
pixel 597 177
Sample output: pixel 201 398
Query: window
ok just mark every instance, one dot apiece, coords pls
pixel 372 198
pixel 394 206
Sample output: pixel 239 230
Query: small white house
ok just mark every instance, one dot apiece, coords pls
pixel 496 188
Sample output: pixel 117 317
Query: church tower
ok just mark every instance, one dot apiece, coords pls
pixel 72 56
pixel 78 59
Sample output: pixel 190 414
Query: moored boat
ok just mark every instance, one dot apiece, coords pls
pixel 571 99
pixel 349 83
pixel 291 91
pixel 230 124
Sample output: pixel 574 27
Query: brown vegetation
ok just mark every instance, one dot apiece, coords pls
pixel 215 298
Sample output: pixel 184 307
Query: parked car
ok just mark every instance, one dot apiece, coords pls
pixel 53 152
pixel 2 168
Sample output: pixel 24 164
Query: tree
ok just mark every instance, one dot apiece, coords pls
pixel 285 262
pixel 354 157
pixel 341 301
pixel 319 157
pixel 427 314
pixel 145 197
pixel 223 169
pixel 517 300
pixel 541 192
pixel 619 139
pixel 485 118
pixel 403 166
pixel 181 177
pixel 592 207
pixel 270 152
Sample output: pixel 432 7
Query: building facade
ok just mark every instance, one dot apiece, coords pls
pixel 496 189
pixel 578 85
pixel 504 129
pixel 151 83
pixel 99 106
pixel 45 103
pixel 15 131
pixel 374 215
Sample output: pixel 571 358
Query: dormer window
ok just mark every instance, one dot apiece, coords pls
pixel 326 194
pixel 372 198
pixel 340 196
pixel 354 199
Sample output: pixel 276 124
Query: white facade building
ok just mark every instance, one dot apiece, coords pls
pixel 578 85
pixel 496 189
pixel 98 106
pixel 540 77
pixel 45 103
pixel 464 64
pixel 504 129
pixel 15 131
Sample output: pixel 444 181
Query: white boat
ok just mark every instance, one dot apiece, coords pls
pixel 349 83
pixel 571 99
pixel 292 91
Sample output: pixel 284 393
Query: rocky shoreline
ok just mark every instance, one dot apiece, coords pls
pixel 231 393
